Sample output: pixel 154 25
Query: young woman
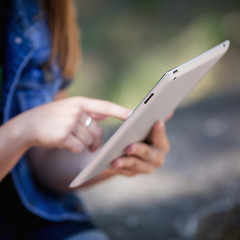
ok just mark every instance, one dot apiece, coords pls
pixel 45 137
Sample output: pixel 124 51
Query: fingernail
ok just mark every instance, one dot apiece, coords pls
pixel 117 163
pixel 130 113
pixel 161 124
pixel 130 149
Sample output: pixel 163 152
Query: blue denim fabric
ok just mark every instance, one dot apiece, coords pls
pixel 29 83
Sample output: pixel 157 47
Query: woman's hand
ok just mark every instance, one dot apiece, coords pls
pixel 62 123
pixel 140 157
pixel 143 157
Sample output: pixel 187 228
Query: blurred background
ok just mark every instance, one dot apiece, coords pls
pixel 127 46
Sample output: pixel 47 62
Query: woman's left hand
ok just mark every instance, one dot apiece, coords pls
pixel 143 157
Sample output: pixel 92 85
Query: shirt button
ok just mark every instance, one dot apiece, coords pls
pixel 18 40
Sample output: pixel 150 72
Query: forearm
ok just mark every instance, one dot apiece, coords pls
pixel 56 168
pixel 13 144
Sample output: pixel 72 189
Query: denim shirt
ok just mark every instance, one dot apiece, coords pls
pixel 27 84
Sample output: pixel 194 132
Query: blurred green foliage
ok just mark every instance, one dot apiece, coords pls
pixel 128 45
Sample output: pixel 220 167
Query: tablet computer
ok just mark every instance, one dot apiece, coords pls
pixel 159 103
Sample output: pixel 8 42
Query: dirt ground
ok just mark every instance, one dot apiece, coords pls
pixel 201 177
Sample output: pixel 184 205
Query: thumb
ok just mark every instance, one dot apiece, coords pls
pixel 158 137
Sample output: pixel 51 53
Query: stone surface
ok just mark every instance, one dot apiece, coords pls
pixel 220 225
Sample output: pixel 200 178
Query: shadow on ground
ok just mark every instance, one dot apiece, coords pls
pixel 201 178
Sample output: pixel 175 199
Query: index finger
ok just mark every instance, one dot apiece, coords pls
pixel 104 107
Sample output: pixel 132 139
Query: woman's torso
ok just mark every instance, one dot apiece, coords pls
pixel 30 81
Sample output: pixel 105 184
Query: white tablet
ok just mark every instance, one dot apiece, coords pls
pixel 159 103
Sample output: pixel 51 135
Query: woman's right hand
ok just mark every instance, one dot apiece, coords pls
pixel 61 124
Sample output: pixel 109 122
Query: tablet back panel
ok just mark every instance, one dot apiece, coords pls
pixel 161 101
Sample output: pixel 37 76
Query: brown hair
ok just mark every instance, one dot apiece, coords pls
pixel 64 30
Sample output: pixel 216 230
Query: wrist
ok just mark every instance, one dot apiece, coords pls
pixel 19 132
